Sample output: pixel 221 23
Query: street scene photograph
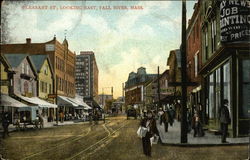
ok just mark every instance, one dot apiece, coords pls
pixel 125 80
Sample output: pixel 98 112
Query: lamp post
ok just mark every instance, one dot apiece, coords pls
pixel 183 77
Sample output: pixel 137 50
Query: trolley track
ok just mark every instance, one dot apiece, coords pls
pixel 94 147
pixel 99 136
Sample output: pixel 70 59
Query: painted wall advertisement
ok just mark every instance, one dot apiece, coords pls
pixel 235 20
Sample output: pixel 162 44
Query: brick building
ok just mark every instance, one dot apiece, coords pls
pixel 62 60
pixel 194 57
pixel 225 63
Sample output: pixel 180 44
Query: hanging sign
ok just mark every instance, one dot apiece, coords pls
pixel 235 20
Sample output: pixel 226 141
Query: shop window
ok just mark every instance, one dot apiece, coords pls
pixel 245 79
pixel 227 84
pixel 211 96
pixel 218 91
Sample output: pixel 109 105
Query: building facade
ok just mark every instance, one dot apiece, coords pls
pixel 225 62
pixel 174 80
pixel 87 76
pixel 62 60
pixel 135 86
pixel 194 59
pixel 45 81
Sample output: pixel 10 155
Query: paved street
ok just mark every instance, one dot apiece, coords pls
pixel 114 140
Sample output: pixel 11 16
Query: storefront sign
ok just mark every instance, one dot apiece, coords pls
pixel 235 20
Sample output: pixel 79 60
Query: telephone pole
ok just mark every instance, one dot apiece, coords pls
pixel 158 89
pixel 183 77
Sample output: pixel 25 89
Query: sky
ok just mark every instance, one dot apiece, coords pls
pixel 122 40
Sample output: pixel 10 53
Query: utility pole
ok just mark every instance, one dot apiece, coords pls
pixel 183 77
pixel 158 89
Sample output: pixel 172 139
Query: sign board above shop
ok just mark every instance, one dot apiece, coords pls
pixel 235 20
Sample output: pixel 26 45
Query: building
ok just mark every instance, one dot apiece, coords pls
pixel 45 81
pixel 102 98
pixel 63 64
pixel 6 81
pixel 194 58
pixel 174 80
pixel 24 88
pixel 134 88
pixel 225 62
pixel 87 77
pixel 62 60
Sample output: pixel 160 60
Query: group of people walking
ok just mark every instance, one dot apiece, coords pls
pixel 167 117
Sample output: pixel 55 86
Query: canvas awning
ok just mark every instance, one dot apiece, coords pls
pixel 6 100
pixel 38 102
pixel 64 101
pixel 79 100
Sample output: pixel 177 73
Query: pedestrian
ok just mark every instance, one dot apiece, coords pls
pixel 178 110
pixel 189 120
pixel 5 124
pixel 149 123
pixel 61 116
pixel 164 118
pixel 197 126
pixel 224 120
pixel 171 115
pixel 41 121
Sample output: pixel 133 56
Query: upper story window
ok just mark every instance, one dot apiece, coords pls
pixel 27 69
pixel 213 35
pixel 23 68
pixel 196 65
pixel 46 70
pixel 206 44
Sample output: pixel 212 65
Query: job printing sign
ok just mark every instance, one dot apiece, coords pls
pixel 235 20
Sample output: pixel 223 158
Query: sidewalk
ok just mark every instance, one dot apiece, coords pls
pixel 172 137
pixel 46 125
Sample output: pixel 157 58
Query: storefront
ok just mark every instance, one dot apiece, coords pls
pixel 229 78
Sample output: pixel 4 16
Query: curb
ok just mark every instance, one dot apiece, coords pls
pixel 204 145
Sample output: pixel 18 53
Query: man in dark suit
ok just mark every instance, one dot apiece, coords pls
pixel 224 120
pixel 149 123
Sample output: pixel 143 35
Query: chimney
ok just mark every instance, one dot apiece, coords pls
pixel 28 40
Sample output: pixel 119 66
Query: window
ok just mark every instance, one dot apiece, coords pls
pixel 23 68
pixel 213 38
pixel 50 88
pixel 211 96
pixel 196 65
pixel 227 83
pixel 206 44
pixel 27 69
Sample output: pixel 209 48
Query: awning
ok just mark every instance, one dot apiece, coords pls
pixel 79 100
pixel 9 101
pixel 64 101
pixel 38 102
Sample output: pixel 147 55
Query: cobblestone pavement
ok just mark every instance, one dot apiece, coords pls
pixel 115 140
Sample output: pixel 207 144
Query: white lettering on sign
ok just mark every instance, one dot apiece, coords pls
pixel 234 20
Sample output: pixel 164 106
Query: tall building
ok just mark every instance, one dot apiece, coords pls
pixel 87 76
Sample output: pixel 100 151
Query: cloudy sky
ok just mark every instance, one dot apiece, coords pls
pixel 123 40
